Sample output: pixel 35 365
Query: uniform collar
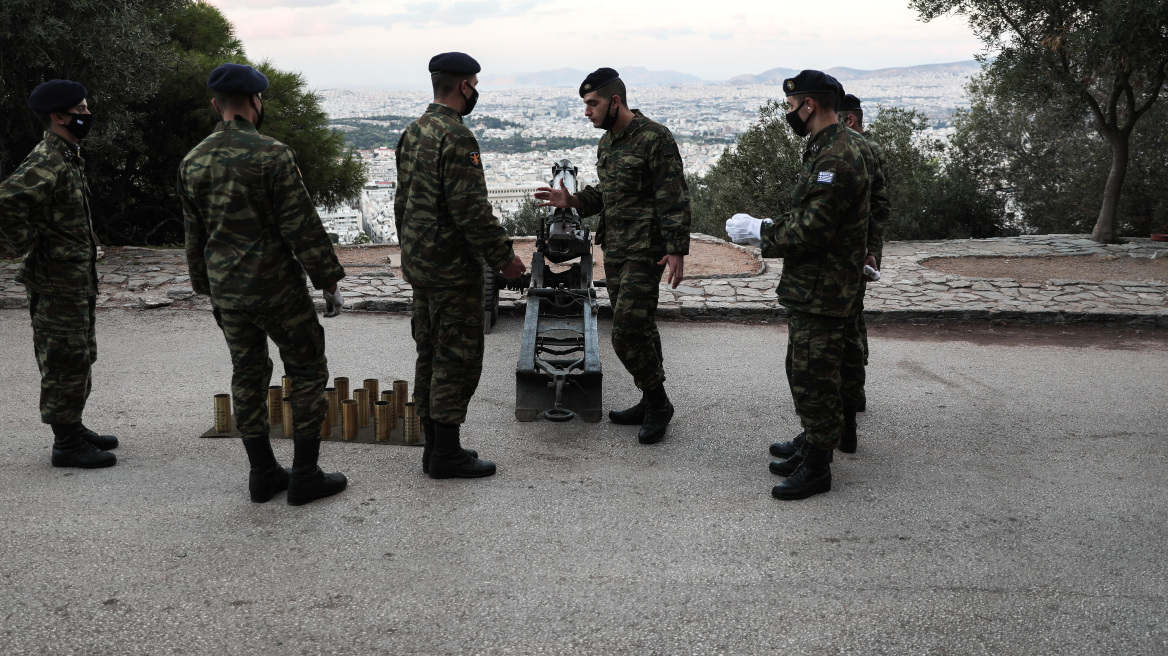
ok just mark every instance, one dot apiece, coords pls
pixel 62 144
pixel 823 136
pixel 638 120
pixel 439 108
pixel 237 124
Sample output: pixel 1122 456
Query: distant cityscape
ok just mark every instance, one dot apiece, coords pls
pixel 706 118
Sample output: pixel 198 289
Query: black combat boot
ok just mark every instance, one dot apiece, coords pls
pixel 69 450
pixel 103 442
pixel 848 438
pixel 450 460
pixel 307 482
pixel 658 412
pixel 428 445
pixel 811 477
pixel 631 416
pixel 788 448
pixel 267 477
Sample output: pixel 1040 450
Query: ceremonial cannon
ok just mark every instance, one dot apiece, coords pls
pixel 558 375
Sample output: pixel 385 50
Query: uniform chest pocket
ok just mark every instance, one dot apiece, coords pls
pixel 627 173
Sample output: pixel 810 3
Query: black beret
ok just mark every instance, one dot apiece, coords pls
pixel 238 79
pixel 454 62
pixel 56 95
pixel 849 102
pixel 597 79
pixel 811 82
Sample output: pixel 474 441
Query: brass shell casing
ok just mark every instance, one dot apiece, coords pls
pixel 326 429
pixel 412 427
pixel 361 396
pixel 286 385
pixel 401 391
pixel 222 413
pixel 371 385
pixel 349 419
pixel 342 385
pixel 334 406
pixel 381 420
pixel 391 398
pixel 289 427
pixel 275 410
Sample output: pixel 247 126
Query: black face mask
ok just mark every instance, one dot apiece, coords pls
pixel 80 125
pixel 797 124
pixel 259 115
pixel 609 118
pixel 470 102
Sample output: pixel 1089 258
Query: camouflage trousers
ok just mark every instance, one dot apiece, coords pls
pixel 633 290
pixel 65 342
pixel 855 358
pixel 448 334
pixel 299 337
pixel 815 351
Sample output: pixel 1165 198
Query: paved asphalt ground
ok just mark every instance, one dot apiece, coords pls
pixel 1008 497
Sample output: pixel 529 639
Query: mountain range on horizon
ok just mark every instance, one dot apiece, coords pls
pixel 636 76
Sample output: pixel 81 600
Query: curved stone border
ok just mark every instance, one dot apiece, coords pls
pixel 142 278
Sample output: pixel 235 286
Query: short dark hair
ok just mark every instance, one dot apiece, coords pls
pixel 447 83
pixel 858 113
pixel 826 99
pixel 231 99
pixel 614 88
pixel 46 119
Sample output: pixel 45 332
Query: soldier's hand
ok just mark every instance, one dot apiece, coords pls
pixel 676 264
pixel 333 300
pixel 745 229
pixel 871 271
pixel 514 269
pixel 560 198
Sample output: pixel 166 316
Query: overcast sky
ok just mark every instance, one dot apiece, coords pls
pixel 387 43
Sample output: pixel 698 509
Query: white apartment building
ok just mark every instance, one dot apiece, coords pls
pixel 507 199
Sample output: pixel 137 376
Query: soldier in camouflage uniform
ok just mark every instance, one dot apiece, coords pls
pixel 851 114
pixel 643 202
pixel 44 212
pixel 252 232
pixel 822 241
pixel 447 230
pixel 855 356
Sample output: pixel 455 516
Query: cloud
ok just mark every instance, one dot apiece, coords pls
pixel 459 12
pixel 271 4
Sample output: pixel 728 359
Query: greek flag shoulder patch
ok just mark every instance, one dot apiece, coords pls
pixel 826 177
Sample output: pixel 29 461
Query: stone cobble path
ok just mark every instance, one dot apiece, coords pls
pixel 908 292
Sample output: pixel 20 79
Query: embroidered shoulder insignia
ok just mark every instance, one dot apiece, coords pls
pixel 826 177
pixel 475 160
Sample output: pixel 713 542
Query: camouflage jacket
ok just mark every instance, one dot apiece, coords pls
pixel 822 239
pixel 252 230
pixel 443 217
pixel 643 194
pixel 44 212
pixel 879 206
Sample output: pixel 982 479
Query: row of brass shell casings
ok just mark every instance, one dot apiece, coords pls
pixel 222 413
pixel 349 419
pixel 275 410
pixel 389 397
pixel 411 426
pixel 334 406
pixel 371 386
pixel 289 426
pixel 382 422
pixel 361 396
pixel 342 385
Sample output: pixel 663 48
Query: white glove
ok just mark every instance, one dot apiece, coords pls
pixel 333 302
pixel 870 273
pixel 745 229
